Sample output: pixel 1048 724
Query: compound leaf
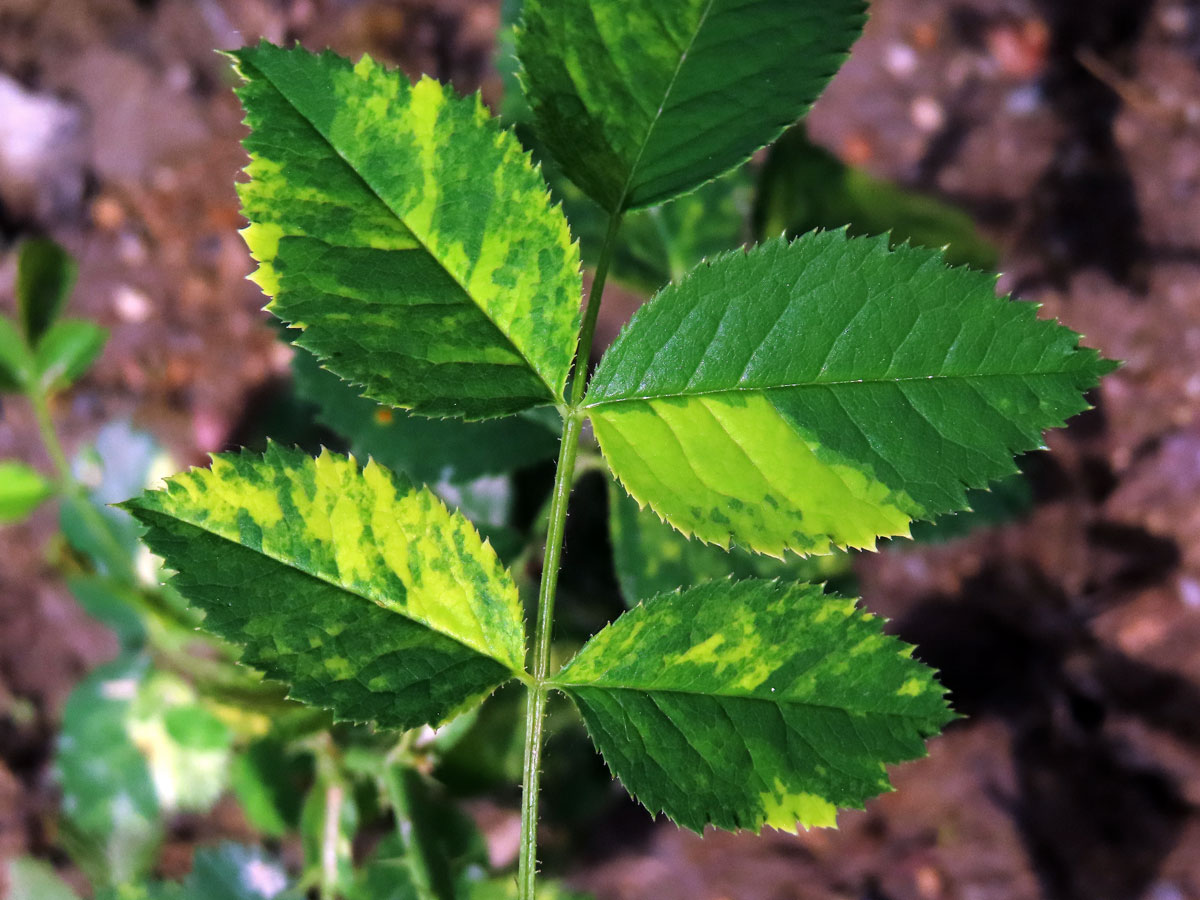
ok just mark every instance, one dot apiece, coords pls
pixel 641 101
pixel 744 704
pixel 367 596
pixel 826 392
pixel 407 234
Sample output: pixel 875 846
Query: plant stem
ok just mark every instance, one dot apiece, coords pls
pixel 41 412
pixel 592 313
pixel 535 707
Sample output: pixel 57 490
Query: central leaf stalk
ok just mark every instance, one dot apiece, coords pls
pixel 535 706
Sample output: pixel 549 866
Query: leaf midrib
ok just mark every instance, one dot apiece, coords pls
pixel 399 218
pixel 328 580
pixel 565 687
pixel 663 105
pixel 760 389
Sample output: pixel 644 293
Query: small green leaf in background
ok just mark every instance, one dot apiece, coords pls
pixel 66 351
pixel 22 489
pixel 641 101
pixel 827 392
pixel 653 558
pixel 328 824
pixel 365 595
pixel 407 234
pixel 438 843
pixel 136 744
pixel 802 187
pixel 187 746
pixel 663 243
pixel 32 879
pixel 16 361
pixel 268 779
pixel 235 872
pixel 111 818
pixel 744 704
pixel 106 536
pixel 225 872
pixel 113 603
pixel 428 451
pixel 46 275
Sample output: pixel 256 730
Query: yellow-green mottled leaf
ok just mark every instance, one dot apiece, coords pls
pixel 744 704
pixel 641 101
pixel 367 596
pixel 407 234
pixel 827 392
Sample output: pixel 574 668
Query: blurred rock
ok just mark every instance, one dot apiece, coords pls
pixel 42 153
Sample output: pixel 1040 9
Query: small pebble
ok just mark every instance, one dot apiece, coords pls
pixel 131 304
pixel 900 60
pixel 927 114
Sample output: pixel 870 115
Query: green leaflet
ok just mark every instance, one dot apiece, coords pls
pixel 641 101
pixel 653 558
pixel 46 274
pixel 22 489
pixel 66 351
pixel 407 234
pixel 367 596
pixel 16 361
pixel 426 450
pixel 744 704
pixel 826 392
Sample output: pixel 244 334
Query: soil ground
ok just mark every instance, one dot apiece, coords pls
pixel 1071 131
